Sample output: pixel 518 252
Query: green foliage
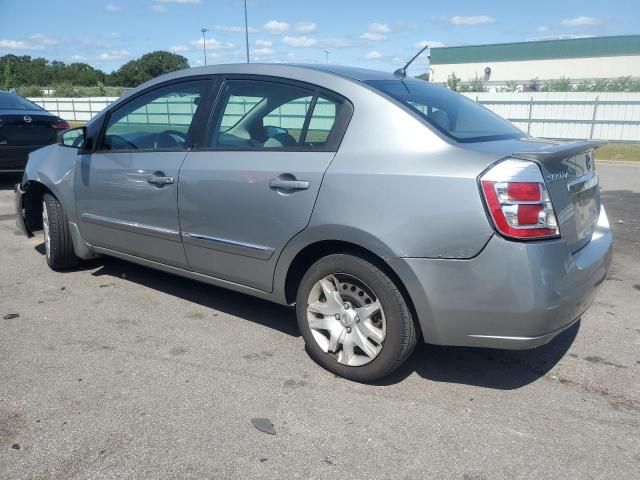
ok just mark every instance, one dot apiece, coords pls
pixel 149 66
pixel 534 85
pixel 31 91
pixel 511 86
pixel 561 85
pixel 477 85
pixel 25 72
pixel 453 81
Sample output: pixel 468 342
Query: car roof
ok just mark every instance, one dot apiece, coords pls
pixel 278 69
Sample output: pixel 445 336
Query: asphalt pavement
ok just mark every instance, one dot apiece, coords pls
pixel 117 371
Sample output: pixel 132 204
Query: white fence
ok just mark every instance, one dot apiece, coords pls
pixel 591 115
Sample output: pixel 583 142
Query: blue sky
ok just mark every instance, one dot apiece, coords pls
pixel 374 34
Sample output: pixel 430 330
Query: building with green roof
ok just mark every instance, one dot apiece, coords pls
pixel 579 59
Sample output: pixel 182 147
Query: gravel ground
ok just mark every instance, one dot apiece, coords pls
pixel 118 371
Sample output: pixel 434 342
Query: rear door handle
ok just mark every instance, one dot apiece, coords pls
pixel 276 183
pixel 160 179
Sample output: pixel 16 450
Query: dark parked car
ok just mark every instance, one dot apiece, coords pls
pixel 24 127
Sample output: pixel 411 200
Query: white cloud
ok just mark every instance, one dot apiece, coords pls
pixel 15 45
pixel 181 1
pixel 378 28
pixel 234 29
pixel 431 43
pixel 41 39
pixel 264 43
pixel 306 27
pixel 542 29
pixel 374 55
pixel 373 36
pixel 213 44
pixel 114 55
pixel 567 36
pixel 78 58
pixel 275 27
pixel 263 51
pixel 179 48
pixel 472 20
pixel 111 8
pixel 159 9
pixel 581 22
pixel 299 41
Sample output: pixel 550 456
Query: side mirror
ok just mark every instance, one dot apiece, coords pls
pixel 74 138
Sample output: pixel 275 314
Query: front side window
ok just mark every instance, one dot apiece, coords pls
pixel 258 115
pixel 451 113
pixel 158 120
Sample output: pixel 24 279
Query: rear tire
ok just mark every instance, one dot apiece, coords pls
pixel 57 237
pixel 354 319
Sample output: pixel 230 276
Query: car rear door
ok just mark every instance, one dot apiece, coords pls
pixel 253 186
pixel 126 190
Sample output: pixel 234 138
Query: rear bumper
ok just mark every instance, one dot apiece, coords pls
pixel 14 158
pixel 512 295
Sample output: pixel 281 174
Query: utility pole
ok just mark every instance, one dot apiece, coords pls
pixel 326 53
pixel 204 44
pixel 246 29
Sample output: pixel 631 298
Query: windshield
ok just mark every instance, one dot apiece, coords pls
pixel 8 101
pixel 451 113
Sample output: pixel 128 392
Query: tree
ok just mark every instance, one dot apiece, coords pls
pixel 510 86
pixel 534 85
pixel 453 81
pixel 149 66
pixel 561 85
pixel 476 84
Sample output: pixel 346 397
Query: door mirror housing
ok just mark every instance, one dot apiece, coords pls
pixel 74 138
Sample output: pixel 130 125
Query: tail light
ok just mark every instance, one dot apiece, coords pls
pixel 518 202
pixel 61 125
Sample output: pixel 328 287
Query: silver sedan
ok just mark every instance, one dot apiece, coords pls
pixel 388 211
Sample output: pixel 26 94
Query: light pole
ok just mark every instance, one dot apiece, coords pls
pixel 204 44
pixel 246 29
pixel 326 53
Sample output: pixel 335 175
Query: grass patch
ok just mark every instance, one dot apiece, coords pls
pixel 619 151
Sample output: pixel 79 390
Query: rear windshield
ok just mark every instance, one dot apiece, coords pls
pixel 9 101
pixel 451 113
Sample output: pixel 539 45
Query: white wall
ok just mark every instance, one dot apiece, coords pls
pixel 524 71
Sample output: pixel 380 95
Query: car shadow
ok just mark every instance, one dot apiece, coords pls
pixel 9 180
pixel 485 367
pixel 488 368
pixel 267 314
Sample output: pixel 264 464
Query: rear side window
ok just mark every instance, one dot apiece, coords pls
pixel 9 101
pixel 453 114
pixel 266 115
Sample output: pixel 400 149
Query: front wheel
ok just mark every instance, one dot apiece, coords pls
pixel 57 237
pixel 353 318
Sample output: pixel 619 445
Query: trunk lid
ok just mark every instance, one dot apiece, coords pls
pixel 27 128
pixel 569 172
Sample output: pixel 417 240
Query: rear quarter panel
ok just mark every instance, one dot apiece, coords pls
pixel 403 185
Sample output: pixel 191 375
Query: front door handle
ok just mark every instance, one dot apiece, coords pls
pixel 277 183
pixel 160 179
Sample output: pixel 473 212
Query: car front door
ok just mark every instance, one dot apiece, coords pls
pixel 253 186
pixel 126 190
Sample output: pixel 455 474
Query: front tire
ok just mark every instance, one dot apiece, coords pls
pixel 354 319
pixel 57 237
